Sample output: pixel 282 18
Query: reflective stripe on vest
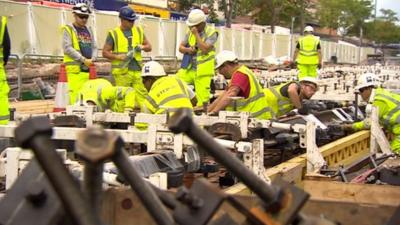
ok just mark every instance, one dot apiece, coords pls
pixel 308 52
pixel 181 94
pixel 387 118
pixel 121 47
pixel 101 104
pixel 5 117
pixel 205 61
pixel 71 65
pixel 3 23
pixel 281 101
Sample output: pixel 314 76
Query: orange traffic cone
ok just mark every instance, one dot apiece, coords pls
pixel 92 72
pixel 62 96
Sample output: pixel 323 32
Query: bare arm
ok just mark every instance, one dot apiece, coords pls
pixel 224 100
pixel 320 56
pixel 146 44
pixel 186 50
pixel 107 53
pixel 294 96
pixel 296 52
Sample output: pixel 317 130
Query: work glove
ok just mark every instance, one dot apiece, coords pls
pixel 138 48
pixel 88 62
pixel 304 110
pixel 347 127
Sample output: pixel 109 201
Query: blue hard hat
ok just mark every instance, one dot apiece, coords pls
pixel 127 13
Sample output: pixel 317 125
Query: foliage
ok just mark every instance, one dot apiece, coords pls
pixel 384 30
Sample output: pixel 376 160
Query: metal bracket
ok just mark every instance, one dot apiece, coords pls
pixel 254 159
pixel 315 160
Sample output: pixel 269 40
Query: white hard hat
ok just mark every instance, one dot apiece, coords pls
pixel 224 56
pixel 195 17
pixel 310 80
pixel 81 8
pixel 366 80
pixel 153 69
pixel 308 29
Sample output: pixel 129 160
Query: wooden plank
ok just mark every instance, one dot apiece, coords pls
pixel 353 193
pixel 33 107
pixel 293 170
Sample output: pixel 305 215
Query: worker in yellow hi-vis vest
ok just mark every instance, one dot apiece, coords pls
pixel 80 49
pixel 198 61
pixel 166 93
pixel 243 84
pixel 388 104
pixel 5 49
pixel 124 46
pixel 308 55
pixel 105 96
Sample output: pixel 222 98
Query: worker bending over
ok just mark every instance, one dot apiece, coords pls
pixel 388 105
pixel 104 95
pixel 166 93
pixel 285 97
pixel 80 50
pixel 243 84
pixel 198 61
pixel 307 55
pixel 123 47
pixel 5 49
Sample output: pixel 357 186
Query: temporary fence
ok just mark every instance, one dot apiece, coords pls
pixel 36 29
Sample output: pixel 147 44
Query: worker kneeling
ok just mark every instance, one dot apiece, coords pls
pixel 166 93
pixel 287 96
pixel 387 103
pixel 244 85
pixel 104 95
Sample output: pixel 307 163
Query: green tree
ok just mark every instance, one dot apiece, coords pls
pixel 344 13
pixel 389 15
pixel 383 29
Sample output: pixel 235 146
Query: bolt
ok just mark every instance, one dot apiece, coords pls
pixel 95 144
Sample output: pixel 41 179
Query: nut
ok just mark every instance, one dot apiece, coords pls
pixel 95 144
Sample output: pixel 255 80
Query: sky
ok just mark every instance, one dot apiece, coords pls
pixel 389 4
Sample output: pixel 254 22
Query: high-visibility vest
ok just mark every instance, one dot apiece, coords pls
pixel 280 104
pixel 71 65
pixel 205 61
pixel 255 104
pixel 121 46
pixel 167 94
pixel 388 117
pixel 3 24
pixel 308 52
pixel 106 96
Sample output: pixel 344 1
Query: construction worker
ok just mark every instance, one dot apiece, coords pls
pixel 5 49
pixel 307 55
pixel 104 95
pixel 287 96
pixel 166 93
pixel 79 45
pixel 198 62
pixel 243 84
pixel 123 47
pixel 387 103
